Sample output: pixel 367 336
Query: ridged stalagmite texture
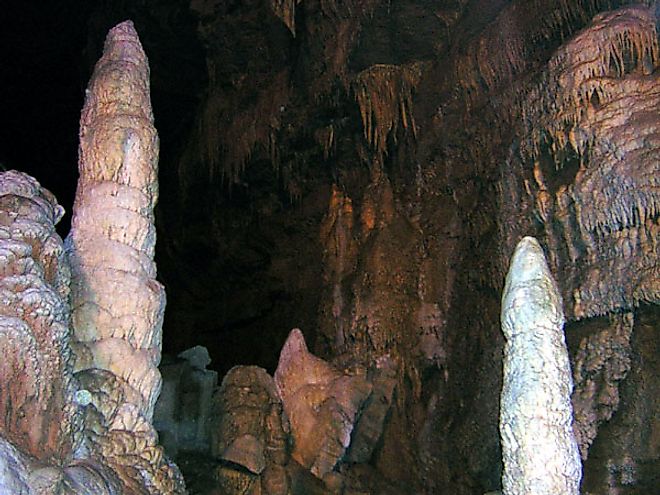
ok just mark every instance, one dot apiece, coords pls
pixel 539 451
pixel 250 431
pixel 37 414
pixel 117 303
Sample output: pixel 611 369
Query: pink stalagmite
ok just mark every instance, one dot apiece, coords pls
pixel 117 303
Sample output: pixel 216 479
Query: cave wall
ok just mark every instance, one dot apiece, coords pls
pixel 363 169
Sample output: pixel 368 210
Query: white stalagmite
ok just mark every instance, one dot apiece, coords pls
pixel 539 450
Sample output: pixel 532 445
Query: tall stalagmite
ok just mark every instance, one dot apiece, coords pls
pixel 117 303
pixel 539 450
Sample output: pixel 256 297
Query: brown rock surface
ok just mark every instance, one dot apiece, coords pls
pixel 250 432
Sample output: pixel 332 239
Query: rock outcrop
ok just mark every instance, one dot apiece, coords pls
pixel 301 432
pixel 43 446
pixel 539 450
pixel 322 404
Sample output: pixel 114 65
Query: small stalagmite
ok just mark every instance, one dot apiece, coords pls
pixel 322 404
pixel 540 454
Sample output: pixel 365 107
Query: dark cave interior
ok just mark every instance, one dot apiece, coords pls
pixel 361 170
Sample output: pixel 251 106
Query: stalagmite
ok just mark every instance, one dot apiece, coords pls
pixel 37 414
pixel 116 299
pixel 117 304
pixel 539 450
pixel 322 404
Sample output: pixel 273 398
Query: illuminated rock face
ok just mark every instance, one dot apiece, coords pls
pixel 539 450
pixel 38 415
pixel 590 153
pixel 429 161
pixel 118 304
pixel 43 447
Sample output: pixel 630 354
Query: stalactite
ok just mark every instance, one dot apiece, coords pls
pixel 586 73
pixel 337 234
pixel 230 133
pixel 589 179
pixel 325 137
pixel 384 95
pixel 539 451
pixel 286 10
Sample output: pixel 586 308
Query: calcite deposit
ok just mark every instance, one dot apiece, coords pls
pixel 539 451
pixel 322 405
pixel 302 431
pixel 80 381
pixel 250 433
pixel 36 376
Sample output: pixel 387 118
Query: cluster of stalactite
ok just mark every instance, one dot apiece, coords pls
pixel 559 105
pixel 286 10
pixel 576 165
pixel 571 115
pixel 384 95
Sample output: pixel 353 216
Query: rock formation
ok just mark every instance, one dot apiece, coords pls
pixel 182 415
pixel 363 169
pixel 43 445
pixel 322 405
pixel 250 434
pixel 117 303
pixel 418 144
pixel 304 431
pixel 539 450
pixel 79 420
pixel 39 416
